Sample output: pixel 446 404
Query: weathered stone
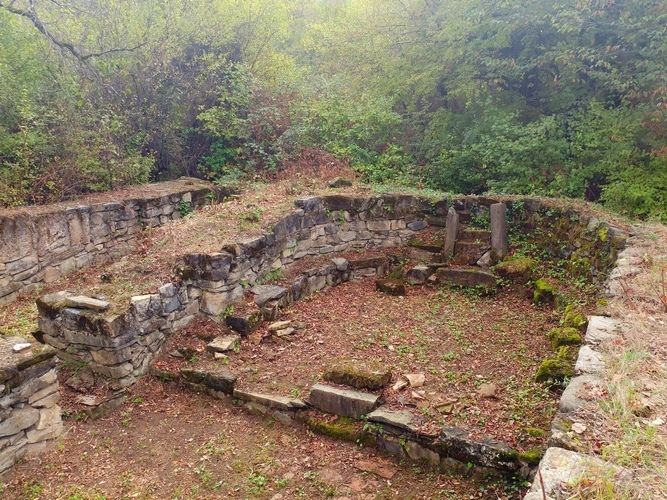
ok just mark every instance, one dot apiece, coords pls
pixel 266 293
pixel 455 443
pixel 589 361
pixel 244 323
pixel 18 419
pixel 225 343
pixel 499 243
pixel 486 260
pixel 580 390
pixel 417 225
pixel 487 390
pixel 420 453
pixel 451 230
pixel 279 325
pixel 468 277
pixel 418 275
pixel 357 376
pixel 400 419
pixel 82 302
pixel 560 468
pixel 432 246
pixel 601 329
pixel 390 286
pixel 342 402
pixel 341 264
pixel 271 401
pixel 215 377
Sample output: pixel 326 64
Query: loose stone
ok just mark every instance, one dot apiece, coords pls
pixel 225 343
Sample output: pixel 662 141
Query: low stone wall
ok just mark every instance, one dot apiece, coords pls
pixel 39 247
pixel 29 414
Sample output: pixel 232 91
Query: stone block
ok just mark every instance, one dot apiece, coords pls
pixel 468 277
pixel 271 401
pixel 18 420
pixel 451 230
pixel 499 242
pixel 225 343
pixel 342 402
pixel 400 419
pixel 589 361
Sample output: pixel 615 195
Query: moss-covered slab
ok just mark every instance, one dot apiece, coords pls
pixel 557 368
pixel 516 268
pixel 356 376
pixel 564 336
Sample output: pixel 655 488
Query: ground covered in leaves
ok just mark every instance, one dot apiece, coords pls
pixel 462 343
pixel 166 442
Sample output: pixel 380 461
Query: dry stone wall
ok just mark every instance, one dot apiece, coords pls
pixel 29 412
pixel 41 247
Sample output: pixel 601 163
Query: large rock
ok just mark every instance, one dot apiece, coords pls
pixel 560 468
pixel 499 243
pixel 342 402
pixel 451 230
pixel 468 277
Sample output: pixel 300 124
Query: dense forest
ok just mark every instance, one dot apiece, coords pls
pixel 559 98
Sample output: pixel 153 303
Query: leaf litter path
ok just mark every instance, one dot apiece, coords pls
pixel 166 442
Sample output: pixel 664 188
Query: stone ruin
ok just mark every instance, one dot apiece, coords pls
pixel 121 347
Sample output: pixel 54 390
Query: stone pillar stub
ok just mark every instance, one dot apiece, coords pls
pixel 499 243
pixel 451 228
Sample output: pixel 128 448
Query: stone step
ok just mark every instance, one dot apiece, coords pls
pixel 466 276
pixel 343 402
pixel 215 377
pixel 468 234
pixel 433 246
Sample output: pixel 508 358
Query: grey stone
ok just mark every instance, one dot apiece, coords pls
pixel 417 225
pixel 560 468
pixel 225 343
pixel 401 419
pixel 342 402
pixel 486 260
pixel 418 452
pixel 341 264
pixel 215 377
pixel 18 420
pixel 466 277
pixel 589 361
pixel 266 293
pixel 451 229
pixel 271 401
pixel 455 443
pixel 82 302
pixel 499 243
pixel 580 389
pixel 418 275
pixel 601 329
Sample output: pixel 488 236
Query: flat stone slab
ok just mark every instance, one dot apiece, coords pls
pixel 589 361
pixel 465 276
pixel 342 402
pixel 225 343
pixel 401 419
pixel 601 329
pixel 266 293
pixel 455 443
pixel 83 302
pixel 580 390
pixel 217 378
pixel 271 401
pixel 560 468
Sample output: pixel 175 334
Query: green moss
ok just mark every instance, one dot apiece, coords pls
pixel 357 377
pixel 516 268
pixel 532 457
pixel 343 428
pixel 557 368
pixel 573 318
pixel 544 292
pixel 535 432
pixel 564 336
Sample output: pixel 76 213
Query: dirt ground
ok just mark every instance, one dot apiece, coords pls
pixel 167 442
pixel 458 340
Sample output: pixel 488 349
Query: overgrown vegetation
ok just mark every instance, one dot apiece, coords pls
pixel 555 98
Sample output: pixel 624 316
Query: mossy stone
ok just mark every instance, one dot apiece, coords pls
pixel 532 457
pixel 342 428
pixel 573 318
pixel 517 268
pixel 357 377
pixel 535 432
pixel 544 292
pixel 557 368
pixel 564 336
